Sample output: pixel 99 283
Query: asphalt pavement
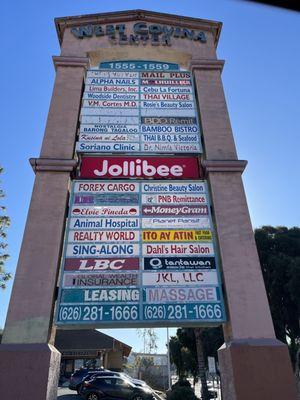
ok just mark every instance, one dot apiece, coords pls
pixel 64 393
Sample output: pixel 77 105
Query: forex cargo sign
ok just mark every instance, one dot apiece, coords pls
pixel 139 252
pixel 140 167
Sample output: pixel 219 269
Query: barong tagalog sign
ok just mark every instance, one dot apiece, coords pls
pixel 138 253
pixel 139 107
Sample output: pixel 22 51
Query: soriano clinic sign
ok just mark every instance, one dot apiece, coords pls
pixel 140 253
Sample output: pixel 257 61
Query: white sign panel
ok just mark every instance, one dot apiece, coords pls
pixel 125 98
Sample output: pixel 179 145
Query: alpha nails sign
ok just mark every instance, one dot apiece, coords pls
pixel 140 167
pixel 139 252
pixel 139 107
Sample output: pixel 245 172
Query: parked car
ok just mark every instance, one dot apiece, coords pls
pixel 92 374
pixel 111 387
pixel 78 376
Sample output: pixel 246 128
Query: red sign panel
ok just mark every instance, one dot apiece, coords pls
pixel 140 167
pixel 101 264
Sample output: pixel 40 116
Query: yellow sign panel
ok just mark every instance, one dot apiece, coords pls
pixel 179 235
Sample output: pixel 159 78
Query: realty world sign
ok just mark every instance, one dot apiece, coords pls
pixel 140 252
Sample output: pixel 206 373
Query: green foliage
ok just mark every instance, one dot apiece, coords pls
pixel 175 347
pixel 279 254
pixel 4 224
pixel 181 390
pixel 181 382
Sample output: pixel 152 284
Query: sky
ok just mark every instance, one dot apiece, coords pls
pixel 261 80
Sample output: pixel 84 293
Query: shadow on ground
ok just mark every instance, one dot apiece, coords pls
pixel 67 394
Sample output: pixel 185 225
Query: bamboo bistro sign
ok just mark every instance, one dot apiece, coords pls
pixel 140 33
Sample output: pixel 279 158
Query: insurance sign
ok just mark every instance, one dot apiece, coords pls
pixel 140 253
pixel 127 108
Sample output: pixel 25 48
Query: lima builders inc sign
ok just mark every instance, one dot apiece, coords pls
pixel 140 33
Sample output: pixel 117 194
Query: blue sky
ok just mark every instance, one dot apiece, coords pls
pixel 261 79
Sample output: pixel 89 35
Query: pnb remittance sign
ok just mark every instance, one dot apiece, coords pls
pixel 140 253
pixel 139 107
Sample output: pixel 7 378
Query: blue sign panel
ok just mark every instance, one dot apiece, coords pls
pixel 140 253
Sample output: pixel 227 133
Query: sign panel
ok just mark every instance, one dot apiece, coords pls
pixel 139 111
pixel 139 252
pixel 139 167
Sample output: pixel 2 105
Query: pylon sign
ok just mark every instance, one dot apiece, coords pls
pixel 139 250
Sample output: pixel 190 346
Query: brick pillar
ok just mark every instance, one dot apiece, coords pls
pixel 29 363
pixel 254 364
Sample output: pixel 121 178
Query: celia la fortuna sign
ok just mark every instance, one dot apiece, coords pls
pixel 140 33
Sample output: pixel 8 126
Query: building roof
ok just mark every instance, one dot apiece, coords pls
pixel 88 339
pixel 131 15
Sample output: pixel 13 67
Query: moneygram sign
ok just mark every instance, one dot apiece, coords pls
pixel 139 107
pixel 140 167
pixel 139 252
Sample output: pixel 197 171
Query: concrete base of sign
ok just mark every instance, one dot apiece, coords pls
pixel 256 369
pixel 29 371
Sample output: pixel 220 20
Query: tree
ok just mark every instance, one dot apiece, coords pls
pixel 175 348
pixel 189 350
pixel 4 224
pixel 279 254
pixel 201 363
pixel 150 339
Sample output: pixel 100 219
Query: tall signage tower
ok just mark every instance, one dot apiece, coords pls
pixel 138 215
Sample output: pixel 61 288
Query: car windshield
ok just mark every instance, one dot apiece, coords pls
pixel 109 380
pixel 124 382
pixel 125 376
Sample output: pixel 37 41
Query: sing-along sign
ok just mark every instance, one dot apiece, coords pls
pixel 140 167
pixel 139 253
pixel 139 107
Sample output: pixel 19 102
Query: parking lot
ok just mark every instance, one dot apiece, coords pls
pixel 64 393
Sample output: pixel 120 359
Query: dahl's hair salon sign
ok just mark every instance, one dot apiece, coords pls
pixel 140 167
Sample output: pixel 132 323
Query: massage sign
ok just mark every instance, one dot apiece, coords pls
pixel 140 244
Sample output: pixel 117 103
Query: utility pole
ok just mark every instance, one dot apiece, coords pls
pixel 169 364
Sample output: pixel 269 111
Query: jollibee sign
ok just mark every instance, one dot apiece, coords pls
pixel 140 167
